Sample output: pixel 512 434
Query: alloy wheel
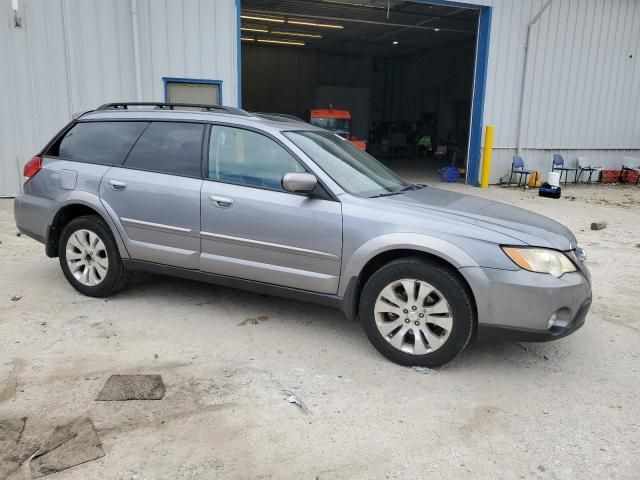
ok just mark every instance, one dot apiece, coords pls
pixel 86 256
pixel 413 316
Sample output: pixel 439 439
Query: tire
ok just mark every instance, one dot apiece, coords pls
pixel 89 257
pixel 391 322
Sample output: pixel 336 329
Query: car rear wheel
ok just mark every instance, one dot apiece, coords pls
pixel 89 257
pixel 417 312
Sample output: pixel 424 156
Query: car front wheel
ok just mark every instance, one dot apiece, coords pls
pixel 417 312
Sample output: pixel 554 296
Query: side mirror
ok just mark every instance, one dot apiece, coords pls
pixel 299 182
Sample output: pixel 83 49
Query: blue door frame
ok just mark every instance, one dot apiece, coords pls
pixel 479 83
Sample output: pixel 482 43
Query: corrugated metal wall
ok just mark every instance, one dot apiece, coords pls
pixel 73 55
pixel 582 94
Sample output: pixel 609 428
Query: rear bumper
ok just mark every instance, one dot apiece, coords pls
pixel 518 304
pixel 31 214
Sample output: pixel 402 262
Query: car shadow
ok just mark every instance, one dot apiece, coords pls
pixel 480 354
pixel 200 293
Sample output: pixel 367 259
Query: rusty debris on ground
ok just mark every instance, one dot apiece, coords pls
pixel 132 387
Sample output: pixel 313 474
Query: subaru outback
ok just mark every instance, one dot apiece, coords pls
pixel 275 205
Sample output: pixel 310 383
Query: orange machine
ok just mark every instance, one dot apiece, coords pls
pixel 337 121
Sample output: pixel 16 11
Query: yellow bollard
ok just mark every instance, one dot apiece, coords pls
pixel 486 156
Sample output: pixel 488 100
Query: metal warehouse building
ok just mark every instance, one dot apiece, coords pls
pixel 552 76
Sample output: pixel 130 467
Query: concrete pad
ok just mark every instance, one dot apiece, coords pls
pixel 60 435
pixel 10 432
pixel 132 387
pixel 82 446
pixel 16 456
pixel 14 451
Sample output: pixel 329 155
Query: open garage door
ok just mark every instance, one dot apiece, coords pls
pixel 402 70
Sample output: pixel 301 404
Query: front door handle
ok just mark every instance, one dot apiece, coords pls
pixel 118 185
pixel 222 202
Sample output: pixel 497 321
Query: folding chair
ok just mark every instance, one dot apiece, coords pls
pixel 630 164
pixel 558 164
pixel 517 167
pixel 585 166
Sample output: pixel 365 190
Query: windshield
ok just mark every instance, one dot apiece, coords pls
pixel 354 170
pixel 341 126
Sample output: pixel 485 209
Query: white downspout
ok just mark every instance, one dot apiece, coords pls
pixel 525 70
pixel 136 49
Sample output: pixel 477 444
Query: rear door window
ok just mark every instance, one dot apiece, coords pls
pixel 105 143
pixel 169 147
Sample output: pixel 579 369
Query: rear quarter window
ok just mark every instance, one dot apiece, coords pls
pixel 104 143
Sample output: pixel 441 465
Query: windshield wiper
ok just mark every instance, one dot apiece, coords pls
pixel 386 194
pixel 412 186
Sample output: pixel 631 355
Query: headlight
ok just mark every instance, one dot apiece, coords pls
pixel 541 260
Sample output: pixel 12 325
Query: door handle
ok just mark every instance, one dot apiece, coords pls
pixel 118 185
pixel 222 202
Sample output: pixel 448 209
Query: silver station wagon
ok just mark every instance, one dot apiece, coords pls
pixel 271 204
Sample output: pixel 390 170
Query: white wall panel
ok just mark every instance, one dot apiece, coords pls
pixel 74 55
pixel 583 86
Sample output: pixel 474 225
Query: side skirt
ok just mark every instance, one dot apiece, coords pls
pixel 242 284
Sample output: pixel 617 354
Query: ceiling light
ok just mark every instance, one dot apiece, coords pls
pixel 313 24
pixel 248 39
pixel 262 19
pixel 252 29
pixel 297 34
pixel 281 42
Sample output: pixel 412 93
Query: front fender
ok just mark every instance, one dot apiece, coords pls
pixel 88 199
pixel 435 246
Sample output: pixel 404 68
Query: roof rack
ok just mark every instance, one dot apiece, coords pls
pixel 172 106
pixel 279 116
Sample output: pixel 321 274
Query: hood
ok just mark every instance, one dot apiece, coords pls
pixel 518 223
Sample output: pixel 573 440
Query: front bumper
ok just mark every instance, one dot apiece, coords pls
pixel 526 335
pixel 518 304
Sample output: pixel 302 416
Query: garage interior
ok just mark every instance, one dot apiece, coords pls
pixel 403 69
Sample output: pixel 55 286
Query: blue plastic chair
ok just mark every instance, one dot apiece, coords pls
pixel 558 164
pixel 517 167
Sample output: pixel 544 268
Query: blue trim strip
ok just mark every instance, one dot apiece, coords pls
pixel 168 80
pixel 239 53
pixel 480 86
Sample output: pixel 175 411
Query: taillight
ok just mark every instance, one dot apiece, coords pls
pixel 32 167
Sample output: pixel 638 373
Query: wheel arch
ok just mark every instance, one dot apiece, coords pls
pixel 360 267
pixel 74 208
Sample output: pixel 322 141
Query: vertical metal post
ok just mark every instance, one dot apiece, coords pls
pixel 136 49
pixel 525 72
pixel 486 156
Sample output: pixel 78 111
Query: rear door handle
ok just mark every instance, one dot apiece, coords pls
pixel 118 185
pixel 222 202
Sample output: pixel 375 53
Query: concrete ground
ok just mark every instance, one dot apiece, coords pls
pixel 502 410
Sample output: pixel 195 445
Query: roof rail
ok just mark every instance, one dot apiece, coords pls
pixel 279 116
pixel 172 106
